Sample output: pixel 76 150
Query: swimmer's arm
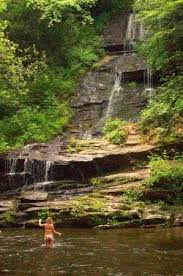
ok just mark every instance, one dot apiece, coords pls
pixel 41 224
pixel 54 231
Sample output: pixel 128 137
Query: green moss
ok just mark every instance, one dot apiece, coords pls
pixel 130 196
pixel 85 204
pixel 97 181
pixel 132 84
pixel 8 217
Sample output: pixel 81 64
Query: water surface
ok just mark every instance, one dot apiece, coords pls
pixel 90 252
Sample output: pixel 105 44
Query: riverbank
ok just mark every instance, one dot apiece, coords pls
pixel 120 198
pixel 97 184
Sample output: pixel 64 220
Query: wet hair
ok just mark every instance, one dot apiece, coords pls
pixel 49 220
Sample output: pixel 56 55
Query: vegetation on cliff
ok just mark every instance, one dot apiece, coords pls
pixel 162 120
pixel 45 48
pixel 115 131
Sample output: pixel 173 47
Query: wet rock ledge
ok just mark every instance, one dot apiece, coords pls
pixel 108 202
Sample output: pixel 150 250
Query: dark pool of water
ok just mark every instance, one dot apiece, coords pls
pixel 89 252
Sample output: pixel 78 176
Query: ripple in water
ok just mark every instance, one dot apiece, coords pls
pixel 88 252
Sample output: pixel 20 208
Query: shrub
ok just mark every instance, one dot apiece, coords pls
pixel 115 131
pixel 97 181
pixel 166 174
pixel 33 125
pixel 162 119
pixel 116 136
pixel 130 196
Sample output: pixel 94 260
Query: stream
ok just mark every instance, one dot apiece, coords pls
pixel 91 252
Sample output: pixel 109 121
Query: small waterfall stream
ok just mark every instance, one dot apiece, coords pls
pixel 12 166
pixel 115 91
pixel 148 81
pixel 135 32
pixel 47 169
pixel 20 172
pixel 117 88
pixel 130 33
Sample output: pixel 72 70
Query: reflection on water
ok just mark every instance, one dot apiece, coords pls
pixel 89 252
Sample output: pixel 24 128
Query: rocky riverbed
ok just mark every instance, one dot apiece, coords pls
pixel 115 198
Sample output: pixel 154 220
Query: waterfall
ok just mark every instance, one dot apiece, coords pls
pixel 47 168
pixel 148 79
pixel 114 93
pixel 130 33
pixel 27 166
pixel 12 166
pixel 135 31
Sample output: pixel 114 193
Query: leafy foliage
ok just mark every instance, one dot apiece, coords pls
pixel 45 47
pixel 115 131
pixel 162 47
pixel 55 10
pixel 162 120
pixel 163 20
pixel 166 174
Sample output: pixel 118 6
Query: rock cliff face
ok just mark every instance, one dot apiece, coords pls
pixel 104 177
pixel 119 85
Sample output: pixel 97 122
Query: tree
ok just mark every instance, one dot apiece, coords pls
pixel 163 45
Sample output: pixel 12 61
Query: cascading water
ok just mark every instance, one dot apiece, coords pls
pixel 27 166
pixel 135 31
pixel 148 81
pixel 114 93
pixel 149 78
pixel 130 33
pixel 19 173
pixel 47 169
pixel 13 166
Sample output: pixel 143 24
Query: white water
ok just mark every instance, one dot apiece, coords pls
pixel 47 168
pixel 130 33
pixel 28 166
pixel 135 31
pixel 12 166
pixel 114 93
pixel 148 80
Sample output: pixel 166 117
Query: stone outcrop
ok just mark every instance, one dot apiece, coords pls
pixel 115 31
pixel 92 98
pixel 108 202
pixel 89 162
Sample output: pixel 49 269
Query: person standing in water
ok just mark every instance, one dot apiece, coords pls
pixel 49 231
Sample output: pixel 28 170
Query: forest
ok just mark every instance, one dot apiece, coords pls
pixel 91 132
pixel 46 47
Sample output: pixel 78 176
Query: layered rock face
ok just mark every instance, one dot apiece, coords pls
pixel 119 85
pixel 89 182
